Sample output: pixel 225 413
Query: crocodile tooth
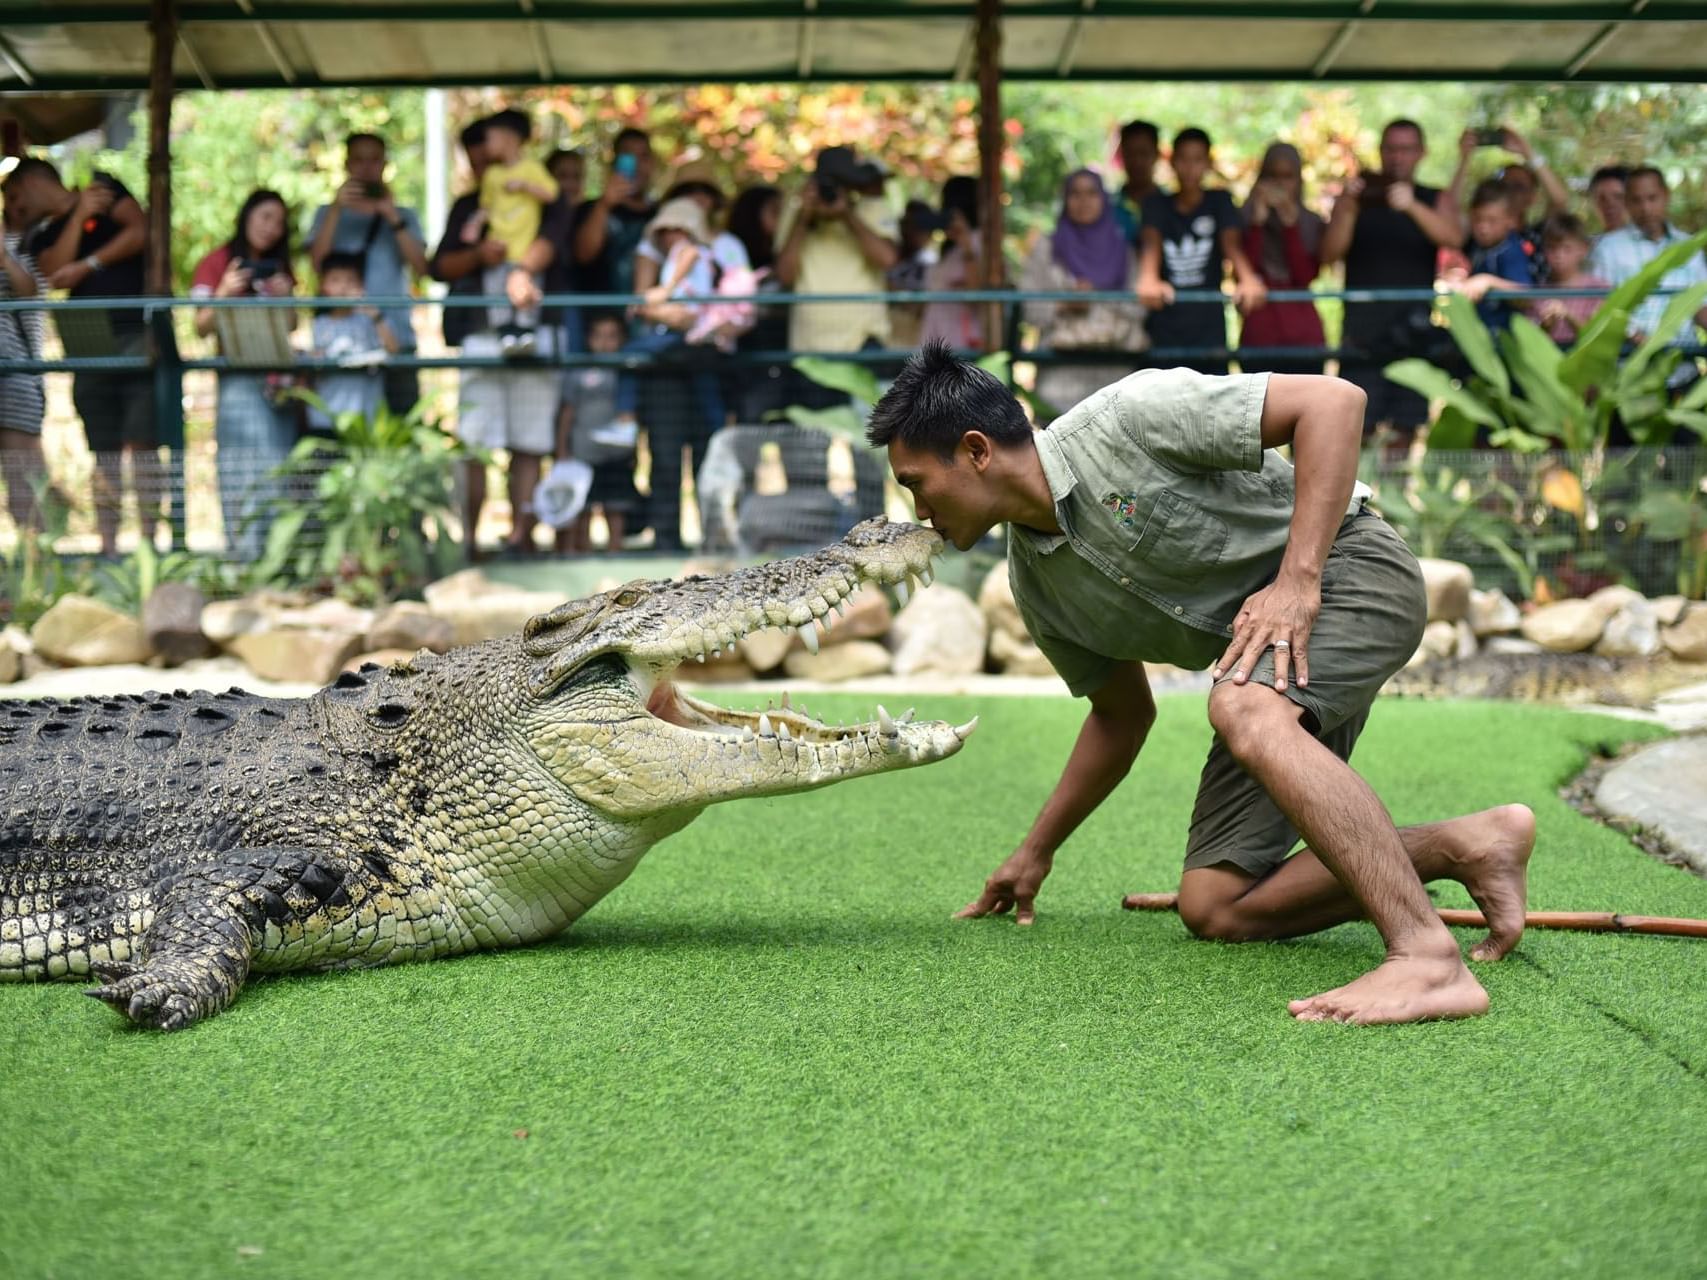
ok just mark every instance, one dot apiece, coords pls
pixel 809 635
pixel 827 620
pixel 906 717
pixel 902 588
pixel 782 731
pixel 844 606
pixel 717 653
pixel 765 730
pixel 699 657
pixel 964 731
pixel 885 725
pixel 784 700
pixel 926 576
pixel 746 734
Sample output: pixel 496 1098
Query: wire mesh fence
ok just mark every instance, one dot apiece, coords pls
pixel 791 472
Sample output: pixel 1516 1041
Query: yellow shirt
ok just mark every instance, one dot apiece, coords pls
pixel 514 216
pixel 830 262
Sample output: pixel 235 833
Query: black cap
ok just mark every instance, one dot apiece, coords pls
pixel 924 216
pixel 843 166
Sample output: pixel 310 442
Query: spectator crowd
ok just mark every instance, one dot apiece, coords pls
pixel 554 384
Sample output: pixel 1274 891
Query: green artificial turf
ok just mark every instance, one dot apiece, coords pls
pixel 771 1053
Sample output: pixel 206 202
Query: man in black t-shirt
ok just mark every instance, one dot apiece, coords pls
pixel 90 242
pixel 609 228
pixel 1185 241
pixel 1387 230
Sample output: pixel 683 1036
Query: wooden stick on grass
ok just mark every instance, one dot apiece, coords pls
pixel 1582 921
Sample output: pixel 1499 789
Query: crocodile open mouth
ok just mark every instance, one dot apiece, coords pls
pixel 804 615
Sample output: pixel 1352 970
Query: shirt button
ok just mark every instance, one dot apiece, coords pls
pixel 1126 582
pixel 1179 609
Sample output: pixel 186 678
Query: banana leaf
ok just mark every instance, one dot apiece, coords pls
pixel 840 375
pixel 1435 384
pixel 1476 342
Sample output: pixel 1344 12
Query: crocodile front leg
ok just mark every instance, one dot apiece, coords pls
pixel 195 955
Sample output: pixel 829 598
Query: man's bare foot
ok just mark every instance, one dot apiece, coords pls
pixel 1150 902
pixel 1490 856
pixel 1400 989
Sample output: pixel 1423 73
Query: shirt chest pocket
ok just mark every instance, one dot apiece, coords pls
pixel 1180 537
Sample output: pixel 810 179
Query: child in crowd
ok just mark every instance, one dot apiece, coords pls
pixel 1565 241
pixel 680 236
pixel 513 195
pixel 357 337
pixel 1499 260
pixel 587 431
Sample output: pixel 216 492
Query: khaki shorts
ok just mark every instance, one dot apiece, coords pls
pixel 1373 611
pixel 514 408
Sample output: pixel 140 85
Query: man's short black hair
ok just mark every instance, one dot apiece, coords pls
pixel 1610 173
pixel 1140 129
pixel 629 133
pixel 1562 227
pixel 595 318
pixel 1647 171
pixel 511 121
pixel 31 165
pixel 937 398
pixel 473 134
pixel 1193 134
pixel 350 142
pixel 1404 122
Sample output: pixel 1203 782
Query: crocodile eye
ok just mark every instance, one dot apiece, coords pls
pixel 628 599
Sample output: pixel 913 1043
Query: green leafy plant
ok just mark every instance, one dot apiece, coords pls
pixel 378 523
pixel 1531 396
pixel 1679 516
pixel 128 584
pixel 33 574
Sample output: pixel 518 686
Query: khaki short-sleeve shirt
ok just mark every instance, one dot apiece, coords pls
pixel 1174 515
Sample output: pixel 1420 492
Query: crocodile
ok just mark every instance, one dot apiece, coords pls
pixel 172 844
pixel 1568 678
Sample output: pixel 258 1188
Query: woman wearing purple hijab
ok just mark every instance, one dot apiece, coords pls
pixel 1086 253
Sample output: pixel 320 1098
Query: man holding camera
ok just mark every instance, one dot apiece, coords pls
pixel 829 241
pixel 1387 229
pixel 364 218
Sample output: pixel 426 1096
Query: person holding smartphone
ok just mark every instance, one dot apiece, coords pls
pixel 610 227
pixel 364 218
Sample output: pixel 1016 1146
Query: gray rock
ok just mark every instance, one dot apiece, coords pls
pixel 487 615
pixel 1688 639
pixel 410 625
pixel 1466 638
pixel 12 654
pixel 838 662
pixel 1493 614
pixel 224 620
pixel 765 650
pixel 1570 626
pixel 1510 646
pixel 82 632
pixel 1663 787
pixel 1632 632
pixel 940 630
pixel 1669 609
pixel 171 618
pixel 1609 600
pixel 1448 584
pixel 312 655
pixel 1440 639
pixel 996 601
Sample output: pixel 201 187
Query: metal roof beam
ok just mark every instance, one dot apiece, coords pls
pixel 806 45
pixel 1453 11
pixel 196 62
pixel 1070 44
pixel 1336 44
pixel 19 68
pixel 536 37
pixel 264 33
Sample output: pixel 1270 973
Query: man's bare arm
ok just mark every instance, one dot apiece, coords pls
pixel 1322 419
pixel 1122 712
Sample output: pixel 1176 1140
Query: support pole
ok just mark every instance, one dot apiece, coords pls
pixel 991 141
pixel 163 27
pixel 168 369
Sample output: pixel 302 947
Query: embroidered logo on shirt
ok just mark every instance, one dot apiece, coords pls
pixel 1124 506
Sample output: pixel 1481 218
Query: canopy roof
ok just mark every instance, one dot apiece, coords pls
pixel 103 44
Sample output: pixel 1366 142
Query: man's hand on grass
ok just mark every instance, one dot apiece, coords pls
pixel 1013 888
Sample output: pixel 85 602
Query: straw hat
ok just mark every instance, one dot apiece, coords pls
pixel 681 214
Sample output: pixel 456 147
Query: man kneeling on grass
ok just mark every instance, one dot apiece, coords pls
pixel 1155 523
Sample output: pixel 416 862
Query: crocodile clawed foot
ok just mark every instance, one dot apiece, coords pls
pixel 145 999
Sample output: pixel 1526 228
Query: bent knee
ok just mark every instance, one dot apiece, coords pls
pixel 1208 904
